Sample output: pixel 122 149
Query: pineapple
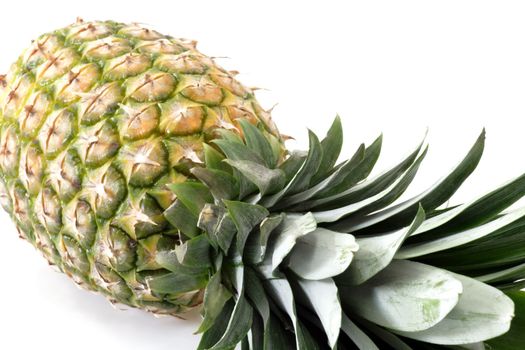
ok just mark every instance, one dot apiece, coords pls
pixel 147 173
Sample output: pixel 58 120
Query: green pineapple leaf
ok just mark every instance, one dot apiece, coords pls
pixel 258 143
pixel 426 296
pixel 245 216
pixel 513 339
pixel 376 252
pixel 267 180
pixel 322 254
pixel 216 296
pixel 473 319
pixel 327 308
pixel 194 195
pixel 360 338
pixel 331 146
pixel 221 184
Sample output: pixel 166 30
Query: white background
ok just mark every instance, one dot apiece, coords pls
pixel 395 67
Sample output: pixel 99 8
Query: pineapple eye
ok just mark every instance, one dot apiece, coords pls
pixel 56 65
pixel 56 131
pixel 229 83
pixel 151 86
pixel 161 46
pixel 98 143
pixel 183 64
pixel 139 32
pixel 31 169
pixel 16 97
pixel 143 162
pixel 9 151
pixel 34 113
pixel 136 122
pixel 177 119
pixel 100 102
pixel 203 92
pixel 106 48
pixel 127 66
pixel 48 210
pixel 78 81
pixel 88 31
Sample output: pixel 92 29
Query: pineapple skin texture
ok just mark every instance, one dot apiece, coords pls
pixel 95 120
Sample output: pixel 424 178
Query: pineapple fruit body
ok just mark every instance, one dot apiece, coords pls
pixel 95 120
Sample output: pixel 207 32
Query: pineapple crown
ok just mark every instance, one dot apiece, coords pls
pixel 306 253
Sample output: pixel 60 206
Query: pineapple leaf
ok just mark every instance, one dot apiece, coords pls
pixel 372 203
pixel 245 217
pixel 406 296
pixel 478 210
pixel 214 159
pixel 509 274
pixel 513 339
pixel 221 184
pixel 436 195
pixel 369 187
pixel 255 293
pixel 327 307
pixel 322 254
pixel 360 172
pixel 304 176
pixel 482 313
pixel 292 164
pixel 376 252
pixel 230 136
pixel 360 339
pixel 285 237
pixel 442 187
pixel 257 142
pixel 280 291
pixel 194 252
pixel 218 225
pixel 177 282
pixel 238 325
pixel 276 337
pixel 169 260
pixel 215 297
pixel 485 208
pixel 194 195
pixel 391 339
pixel 180 217
pixel 256 335
pixel 331 146
pixel 301 179
pixel 267 180
pixel 257 242
pixel 500 249
pixel 213 334
pixel 236 151
pixel 330 181
pixel 456 239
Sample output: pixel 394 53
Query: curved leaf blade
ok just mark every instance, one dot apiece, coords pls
pixel 322 254
pixel 482 313
pixel 406 296
pixel 327 307
pixel 376 252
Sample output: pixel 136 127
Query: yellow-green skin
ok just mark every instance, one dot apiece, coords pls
pixel 95 120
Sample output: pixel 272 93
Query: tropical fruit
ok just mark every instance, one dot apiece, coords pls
pixel 146 172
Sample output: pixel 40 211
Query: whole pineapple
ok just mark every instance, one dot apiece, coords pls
pixel 147 173
pixel 96 119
